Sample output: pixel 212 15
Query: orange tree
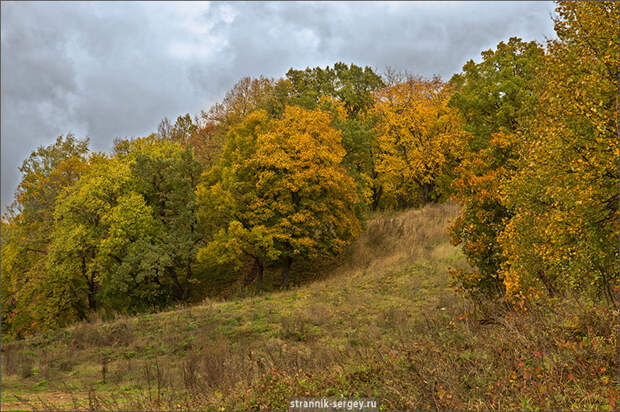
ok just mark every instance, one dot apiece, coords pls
pixel 564 232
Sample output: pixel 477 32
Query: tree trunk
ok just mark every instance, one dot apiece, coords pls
pixel 426 192
pixel 92 289
pixel 259 273
pixel 92 303
pixel 546 282
pixel 286 271
pixel 376 197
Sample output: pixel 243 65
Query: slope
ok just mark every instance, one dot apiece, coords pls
pixel 385 324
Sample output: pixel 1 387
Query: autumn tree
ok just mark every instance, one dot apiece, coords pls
pixel 246 96
pixel 564 232
pixel 75 277
pixel 494 96
pixel 352 86
pixel 225 200
pixel 417 133
pixel 280 192
pixel 181 131
pixel 46 174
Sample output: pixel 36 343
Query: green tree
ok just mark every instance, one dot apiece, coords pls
pixel 494 96
pixel 166 174
pixel 75 275
pixel 126 237
pixel 350 84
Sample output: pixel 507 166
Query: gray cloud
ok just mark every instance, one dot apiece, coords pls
pixel 116 69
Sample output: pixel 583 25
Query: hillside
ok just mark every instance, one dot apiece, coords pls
pixel 384 324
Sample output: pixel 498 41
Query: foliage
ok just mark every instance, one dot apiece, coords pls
pixel 113 233
pixel 494 96
pixel 245 97
pixel 353 87
pixel 26 229
pixel 225 202
pixel 283 172
pixel 564 234
pixel 280 192
pixel 79 216
pixel 417 136
pixel 388 328
pixel 182 130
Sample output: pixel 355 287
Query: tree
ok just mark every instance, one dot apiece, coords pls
pixel 125 237
pixel 46 174
pixel 245 97
pixel 166 174
pixel 564 194
pixel 495 96
pixel 282 193
pixel 352 86
pixel 182 130
pixel 80 217
pixel 417 133
pixel 226 198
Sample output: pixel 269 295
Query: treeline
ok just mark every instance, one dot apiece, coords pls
pixel 284 170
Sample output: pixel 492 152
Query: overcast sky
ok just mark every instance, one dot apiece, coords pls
pixel 104 70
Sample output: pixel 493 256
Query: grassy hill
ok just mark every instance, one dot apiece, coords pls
pixel 384 324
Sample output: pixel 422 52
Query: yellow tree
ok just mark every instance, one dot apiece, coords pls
pixel 27 227
pixel 417 134
pixel 280 192
pixel 564 234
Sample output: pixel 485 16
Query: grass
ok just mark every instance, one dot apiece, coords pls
pixel 382 323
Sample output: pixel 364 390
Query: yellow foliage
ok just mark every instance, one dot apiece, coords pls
pixel 417 134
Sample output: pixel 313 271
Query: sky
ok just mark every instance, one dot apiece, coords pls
pixel 106 70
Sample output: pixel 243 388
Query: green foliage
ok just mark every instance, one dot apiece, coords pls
pixel 497 93
pixel 352 85
pixel 494 96
pixel 120 233
pixel 80 227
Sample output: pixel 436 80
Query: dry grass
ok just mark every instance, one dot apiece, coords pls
pixel 397 239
